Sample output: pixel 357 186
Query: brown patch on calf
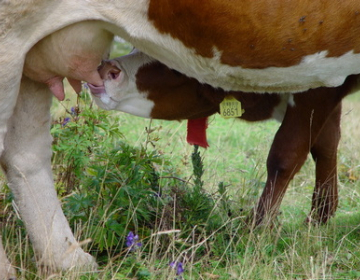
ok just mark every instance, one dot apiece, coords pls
pixel 177 96
pixel 262 33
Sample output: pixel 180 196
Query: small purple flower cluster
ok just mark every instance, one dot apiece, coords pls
pixel 179 267
pixel 73 111
pixel 65 121
pixel 85 86
pixel 131 241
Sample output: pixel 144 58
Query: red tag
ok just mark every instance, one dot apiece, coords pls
pixel 196 132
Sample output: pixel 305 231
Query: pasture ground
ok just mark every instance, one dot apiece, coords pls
pixel 237 154
pixel 236 157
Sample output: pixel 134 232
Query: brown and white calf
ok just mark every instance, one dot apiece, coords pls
pixel 140 85
pixel 244 45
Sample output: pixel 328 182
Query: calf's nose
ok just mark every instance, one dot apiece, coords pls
pixel 108 70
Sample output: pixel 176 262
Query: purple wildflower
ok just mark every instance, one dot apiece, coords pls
pixel 65 121
pixel 74 111
pixel 178 266
pixel 157 194
pixel 131 241
pixel 85 85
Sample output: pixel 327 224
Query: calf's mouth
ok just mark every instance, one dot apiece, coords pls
pixel 97 90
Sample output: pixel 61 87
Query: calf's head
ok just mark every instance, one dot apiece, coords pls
pixel 139 85
pixel 119 91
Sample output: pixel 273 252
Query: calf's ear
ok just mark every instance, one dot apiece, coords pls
pixel 108 70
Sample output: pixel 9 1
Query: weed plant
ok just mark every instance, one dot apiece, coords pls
pixel 132 189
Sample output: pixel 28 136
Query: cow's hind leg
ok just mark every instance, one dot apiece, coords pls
pixel 27 164
pixel 324 152
pixel 302 125
pixel 287 154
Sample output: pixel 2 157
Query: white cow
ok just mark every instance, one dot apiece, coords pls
pixel 246 45
pixel 27 154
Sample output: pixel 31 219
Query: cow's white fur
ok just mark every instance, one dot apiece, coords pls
pixel 27 154
pixel 79 54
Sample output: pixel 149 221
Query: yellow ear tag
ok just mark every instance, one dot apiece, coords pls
pixel 230 108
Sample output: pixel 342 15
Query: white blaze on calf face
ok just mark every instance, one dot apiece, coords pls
pixel 119 91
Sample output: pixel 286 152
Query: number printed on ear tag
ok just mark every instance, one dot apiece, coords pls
pixel 230 108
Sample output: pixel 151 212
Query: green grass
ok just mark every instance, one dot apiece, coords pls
pixel 237 156
pixel 219 247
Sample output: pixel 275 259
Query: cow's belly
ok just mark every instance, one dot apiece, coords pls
pixel 316 70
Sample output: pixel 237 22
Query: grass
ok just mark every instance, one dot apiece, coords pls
pixel 237 155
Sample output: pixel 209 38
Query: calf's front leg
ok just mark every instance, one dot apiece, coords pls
pixel 27 164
